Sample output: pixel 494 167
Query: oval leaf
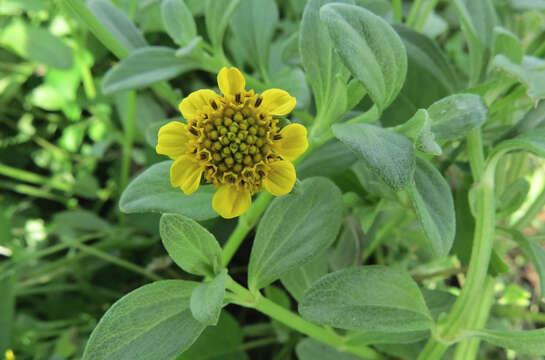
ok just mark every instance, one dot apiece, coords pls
pixel 370 48
pixel 207 300
pixel 367 298
pixel 151 191
pixel 457 115
pixel 293 230
pixel 191 246
pixel 152 322
pixel 178 21
pixel 144 67
pixel 434 206
pixel 216 16
pixel 387 154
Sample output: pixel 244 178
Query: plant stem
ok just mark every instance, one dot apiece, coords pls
pixel 294 321
pixel 31 177
pixel 127 140
pixel 532 212
pixel 475 153
pixel 518 313
pixel 422 17
pixel 32 191
pixel 397 9
pixel 460 315
pixel 467 349
pixel 415 9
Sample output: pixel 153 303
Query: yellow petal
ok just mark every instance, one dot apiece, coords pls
pixel 231 201
pixel 293 141
pixel 231 81
pixel 277 102
pixel 197 103
pixel 172 139
pixel 186 173
pixel 280 178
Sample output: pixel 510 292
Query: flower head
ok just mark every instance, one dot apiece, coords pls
pixel 234 142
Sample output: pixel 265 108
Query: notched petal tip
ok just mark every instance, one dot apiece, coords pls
pixel 277 102
pixel 186 173
pixel 293 141
pixel 197 102
pixel 280 178
pixel 172 139
pixel 231 201
pixel 231 81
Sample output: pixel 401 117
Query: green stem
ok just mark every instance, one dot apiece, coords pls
pixel 467 349
pixel 518 313
pixel 460 315
pixel 30 177
pixel 397 9
pixel 294 321
pixel 128 139
pixel 398 222
pixel 475 153
pixel 415 9
pixel 32 191
pixel 423 16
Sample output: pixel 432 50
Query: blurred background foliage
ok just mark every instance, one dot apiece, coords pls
pixel 66 251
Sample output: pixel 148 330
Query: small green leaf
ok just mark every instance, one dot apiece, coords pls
pixel 36 44
pixel 293 230
pixel 321 63
pixel 207 299
pixel 418 129
pixel 367 298
pixel 144 67
pixel 508 44
pixel 191 246
pixel 118 24
pixel 387 154
pixel 530 342
pixel 253 24
pixel 300 278
pixel 370 48
pixel 434 206
pixel 217 15
pixel 457 115
pixel 152 322
pixel 219 342
pixel 178 21
pixel 151 191
pixel 310 349
pixel 531 73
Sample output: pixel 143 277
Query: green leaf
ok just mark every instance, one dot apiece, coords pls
pixel 525 342
pixel 253 24
pixel 207 299
pixel 434 206
pixel 512 198
pixel 118 24
pixel 310 349
pixel 524 5
pixel 151 191
pixel 36 44
pixel 532 141
pixel 457 115
pixel 418 129
pixel 300 278
pixel 144 67
pixel 191 246
pixel 370 48
pixel 367 298
pixel 531 73
pixel 330 159
pixel 322 65
pixel 178 21
pixel 217 15
pixel 217 342
pixel 478 19
pixel 152 322
pixel 385 153
pixel 293 230
pixel 508 44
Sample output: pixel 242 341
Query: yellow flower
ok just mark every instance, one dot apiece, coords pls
pixel 234 142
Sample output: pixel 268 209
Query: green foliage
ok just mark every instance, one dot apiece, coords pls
pixel 207 300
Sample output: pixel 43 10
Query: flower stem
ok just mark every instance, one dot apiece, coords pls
pixel 294 321
pixel 415 9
